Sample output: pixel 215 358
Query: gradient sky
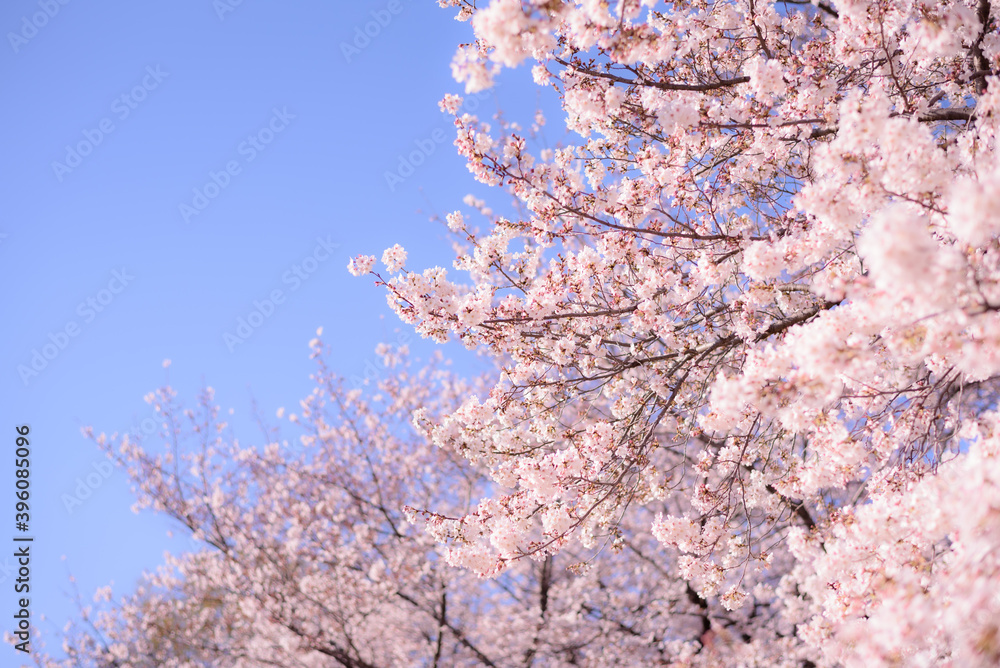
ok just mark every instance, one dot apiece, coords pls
pixel 164 94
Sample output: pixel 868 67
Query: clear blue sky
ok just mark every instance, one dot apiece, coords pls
pixel 153 98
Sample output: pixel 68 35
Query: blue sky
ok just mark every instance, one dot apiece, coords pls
pixel 164 166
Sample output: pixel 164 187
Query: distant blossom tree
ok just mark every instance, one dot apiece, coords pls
pixel 309 561
pixel 747 339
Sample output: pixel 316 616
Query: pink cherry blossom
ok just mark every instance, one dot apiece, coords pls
pixel 744 331
pixel 394 258
pixel 361 265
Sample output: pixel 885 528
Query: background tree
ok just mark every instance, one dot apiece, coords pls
pixel 308 559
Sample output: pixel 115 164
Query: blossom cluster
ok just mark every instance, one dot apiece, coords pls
pixel 756 296
pixel 745 340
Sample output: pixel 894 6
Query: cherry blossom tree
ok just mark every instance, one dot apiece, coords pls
pixel 756 296
pixel 307 558
pixel 747 343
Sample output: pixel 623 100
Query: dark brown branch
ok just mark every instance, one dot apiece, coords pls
pixel 706 623
pixel 949 114
pixel 822 6
pixel 931 116
pixel 545 584
pixel 662 85
pixel 459 635
pixel 337 653
pixel 976 55
pixel 443 615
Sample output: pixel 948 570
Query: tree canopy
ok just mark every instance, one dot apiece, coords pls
pixel 746 341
